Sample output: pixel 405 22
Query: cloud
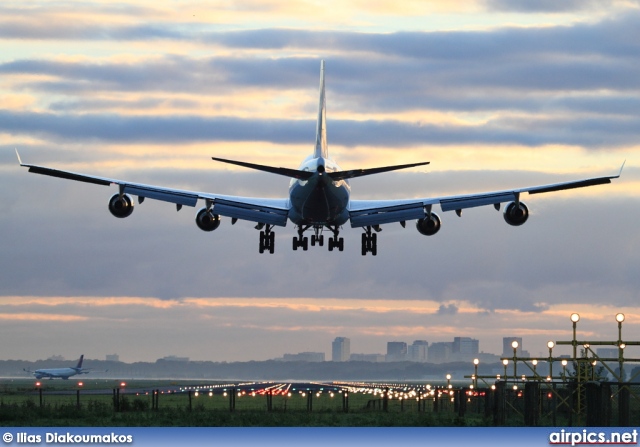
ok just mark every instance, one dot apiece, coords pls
pixel 150 95
pixel 549 6
pixel 447 309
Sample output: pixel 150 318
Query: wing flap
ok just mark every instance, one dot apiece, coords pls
pixel 251 212
pixel 384 215
pixel 461 202
pixel 166 195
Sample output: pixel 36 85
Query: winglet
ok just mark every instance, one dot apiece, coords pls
pixel 621 167
pixel 19 159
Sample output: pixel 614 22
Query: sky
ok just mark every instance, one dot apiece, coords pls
pixel 494 93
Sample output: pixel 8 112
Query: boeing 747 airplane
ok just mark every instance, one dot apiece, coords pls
pixel 60 373
pixel 319 199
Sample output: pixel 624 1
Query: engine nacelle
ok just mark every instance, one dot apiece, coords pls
pixel 516 216
pixel 428 226
pixel 121 206
pixel 207 221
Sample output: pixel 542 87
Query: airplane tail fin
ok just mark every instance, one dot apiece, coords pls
pixel 79 365
pixel 321 149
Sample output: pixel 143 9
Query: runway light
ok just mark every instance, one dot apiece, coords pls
pixel 620 317
pixel 550 344
pixel 575 317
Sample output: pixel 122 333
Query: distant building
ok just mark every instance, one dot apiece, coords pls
pixel 373 358
pixel 466 346
pixel 57 358
pixel 112 358
pixel 173 358
pixel 507 349
pixel 418 351
pixel 440 352
pixel 396 351
pixel 340 349
pixel 304 357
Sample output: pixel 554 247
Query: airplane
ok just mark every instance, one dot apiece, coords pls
pixel 319 199
pixel 60 373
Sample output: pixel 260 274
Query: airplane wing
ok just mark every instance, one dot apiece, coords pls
pixel 260 210
pixel 377 212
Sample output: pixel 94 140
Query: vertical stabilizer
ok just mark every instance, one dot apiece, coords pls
pixel 321 128
pixel 80 362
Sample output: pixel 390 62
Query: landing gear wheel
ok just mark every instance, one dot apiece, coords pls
pixel 369 242
pixel 272 242
pixel 267 240
pixel 262 240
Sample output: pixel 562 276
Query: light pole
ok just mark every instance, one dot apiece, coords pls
pixel 514 345
pixel 574 320
pixel 505 362
pixel 475 372
pixel 448 381
pixel 621 345
pixel 550 345
pixel 564 370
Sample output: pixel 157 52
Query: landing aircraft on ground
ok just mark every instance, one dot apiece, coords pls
pixel 60 373
pixel 319 199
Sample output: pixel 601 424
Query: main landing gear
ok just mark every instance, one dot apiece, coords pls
pixel 301 241
pixel 317 238
pixel 267 238
pixel 335 241
pixel 370 240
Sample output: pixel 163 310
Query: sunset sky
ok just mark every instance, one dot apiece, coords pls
pixel 494 93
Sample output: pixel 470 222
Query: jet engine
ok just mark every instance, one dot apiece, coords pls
pixel 516 215
pixel 428 225
pixel 121 206
pixel 207 221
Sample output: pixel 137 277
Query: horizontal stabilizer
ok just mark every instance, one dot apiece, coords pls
pixel 294 173
pixel 341 175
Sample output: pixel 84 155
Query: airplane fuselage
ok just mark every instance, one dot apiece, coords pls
pixel 319 200
pixel 60 373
